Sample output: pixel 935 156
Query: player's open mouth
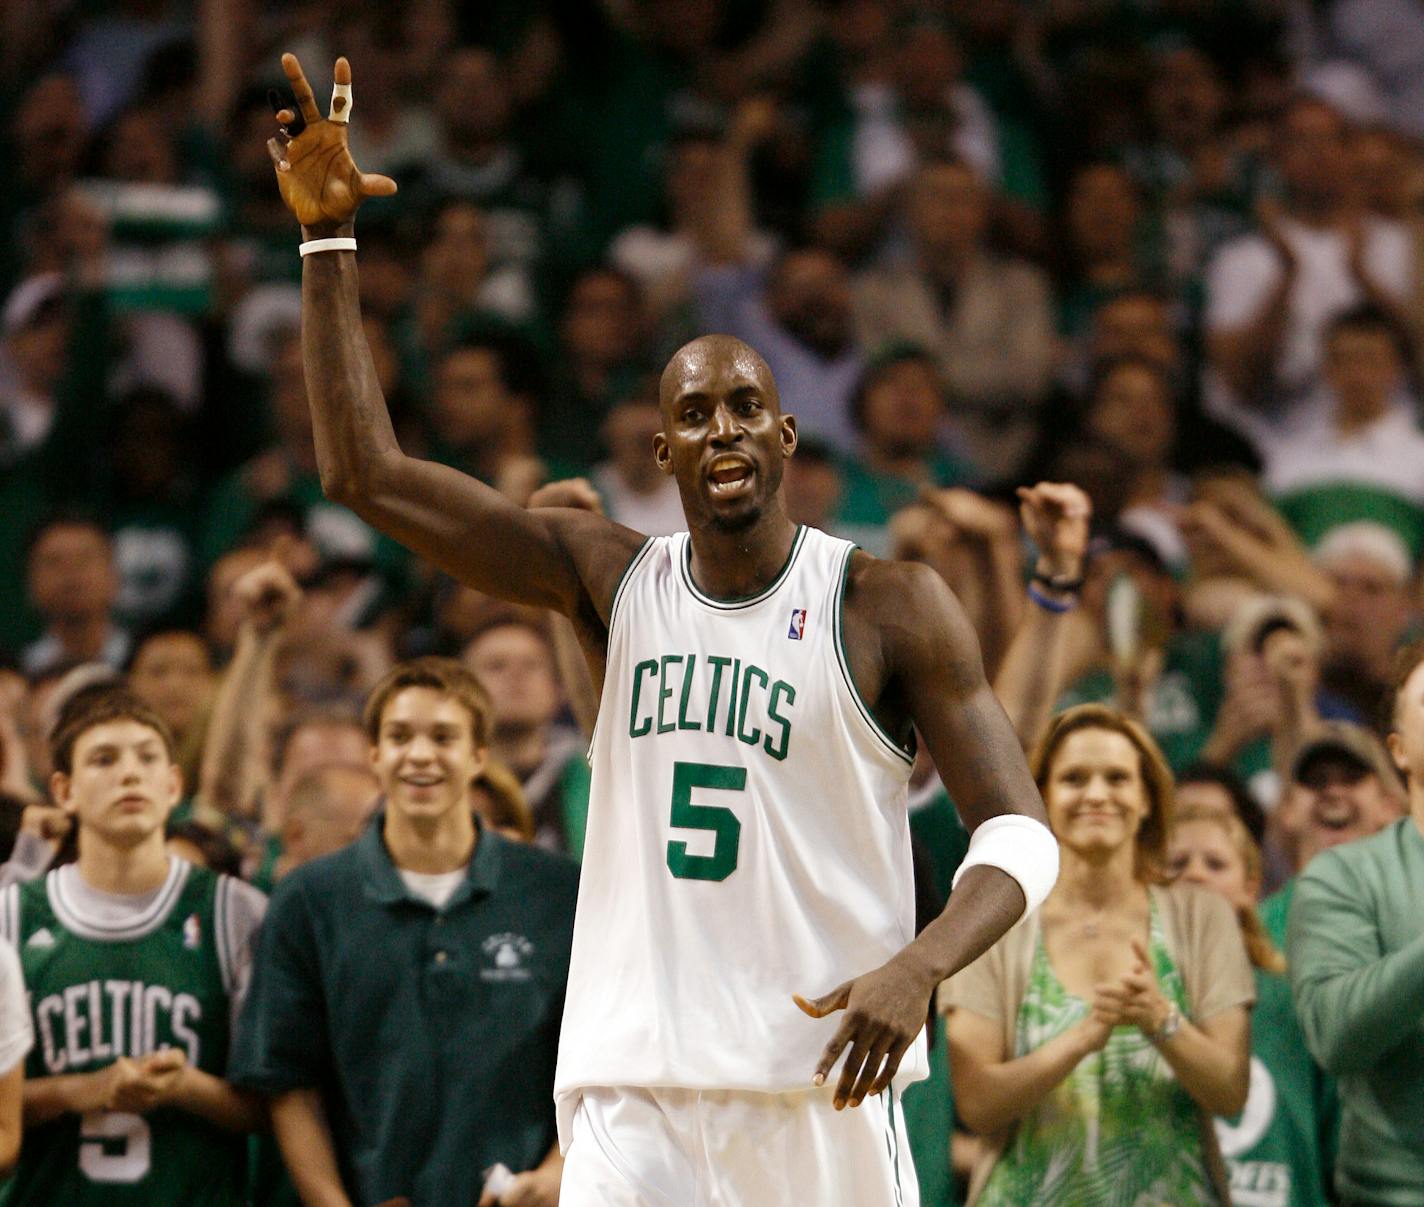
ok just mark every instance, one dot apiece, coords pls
pixel 729 477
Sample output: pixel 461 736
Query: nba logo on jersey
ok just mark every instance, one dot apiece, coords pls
pixel 192 932
pixel 798 624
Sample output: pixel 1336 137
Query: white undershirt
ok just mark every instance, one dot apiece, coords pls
pixel 435 887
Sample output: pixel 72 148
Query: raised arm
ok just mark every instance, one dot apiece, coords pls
pixel 1033 674
pixel 1245 352
pixel 913 653
pixel 556 558
pixel 234 770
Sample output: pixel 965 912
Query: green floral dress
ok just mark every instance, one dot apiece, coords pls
pixel 1119 1131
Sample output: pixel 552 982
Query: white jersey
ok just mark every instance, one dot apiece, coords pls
pixel 748 835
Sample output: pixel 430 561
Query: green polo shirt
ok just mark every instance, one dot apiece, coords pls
pixel 432 1035
pixel 1355 945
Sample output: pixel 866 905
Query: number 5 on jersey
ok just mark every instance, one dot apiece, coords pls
pixel 721 821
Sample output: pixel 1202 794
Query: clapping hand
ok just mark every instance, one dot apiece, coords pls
pixel 140 1085
pixel 1136 997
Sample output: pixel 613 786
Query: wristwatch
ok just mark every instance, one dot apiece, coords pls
pixel 1170 1025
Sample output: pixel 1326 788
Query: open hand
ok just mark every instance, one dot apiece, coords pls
pixel 319 181
pixel 885 1012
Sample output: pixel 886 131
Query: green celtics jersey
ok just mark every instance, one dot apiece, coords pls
pixel 104 987
pixel 1273 1149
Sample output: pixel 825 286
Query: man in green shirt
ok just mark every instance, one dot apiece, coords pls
pixel 408 990
pixel 1356 954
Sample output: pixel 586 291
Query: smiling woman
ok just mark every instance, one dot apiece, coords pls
pixel 1099 1037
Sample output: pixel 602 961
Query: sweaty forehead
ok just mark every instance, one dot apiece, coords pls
pixel 715 366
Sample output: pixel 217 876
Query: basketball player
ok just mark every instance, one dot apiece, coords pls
pixel 132 958
pixel 747 838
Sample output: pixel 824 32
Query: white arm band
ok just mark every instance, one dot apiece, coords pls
pixel 1020 847
pixel 341 243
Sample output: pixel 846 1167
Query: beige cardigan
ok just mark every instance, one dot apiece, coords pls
pixel 1204 940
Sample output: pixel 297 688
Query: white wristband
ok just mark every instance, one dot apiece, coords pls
pixel 1020 847
pixel 341 92
pixel 344 243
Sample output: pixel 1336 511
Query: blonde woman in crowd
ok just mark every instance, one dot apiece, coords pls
pixel 1094 1042
pixel 1276 1149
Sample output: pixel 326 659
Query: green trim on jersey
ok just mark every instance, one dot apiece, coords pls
pixel 633 563
pixel 875 726
pixel 638 556
pixel 164 981
pixel 741 601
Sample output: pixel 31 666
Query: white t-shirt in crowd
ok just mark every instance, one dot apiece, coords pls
pixel 435 887
pixel 656 514
pixel 17 1035
pixel 1243 273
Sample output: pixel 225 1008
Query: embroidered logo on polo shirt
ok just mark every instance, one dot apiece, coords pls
pixel 41 938
pixel 507 958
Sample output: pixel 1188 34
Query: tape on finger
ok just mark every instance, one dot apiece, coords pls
pixel 341 112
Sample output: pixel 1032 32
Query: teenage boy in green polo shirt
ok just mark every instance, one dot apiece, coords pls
pixel 1356 955
pixel 407 991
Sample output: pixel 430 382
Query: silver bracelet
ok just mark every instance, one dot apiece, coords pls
pixel 344 243
pixel 1170 1025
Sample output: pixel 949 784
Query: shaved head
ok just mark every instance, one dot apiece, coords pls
pixel 724 437
pixel 695 359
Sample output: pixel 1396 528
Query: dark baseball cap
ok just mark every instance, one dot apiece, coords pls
pixel 1352 743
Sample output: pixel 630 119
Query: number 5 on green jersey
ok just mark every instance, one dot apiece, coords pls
pixel 722 822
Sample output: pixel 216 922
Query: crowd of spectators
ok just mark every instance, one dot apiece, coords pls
pixel 1170 254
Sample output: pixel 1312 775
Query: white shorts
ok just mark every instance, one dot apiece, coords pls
pixel 634 1147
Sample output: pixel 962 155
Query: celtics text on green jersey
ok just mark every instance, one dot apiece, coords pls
pixel 104 986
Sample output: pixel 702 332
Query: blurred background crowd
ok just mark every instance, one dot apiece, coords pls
pixel 1169 252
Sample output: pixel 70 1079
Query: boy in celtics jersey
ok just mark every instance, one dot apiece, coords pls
pixel 133 960
pixel 747 839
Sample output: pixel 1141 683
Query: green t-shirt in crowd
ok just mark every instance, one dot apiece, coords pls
pixel 1184 701
pixel 869 498
pixel 1355 946
pixel 337 532
pixel 1273 1149
pixel 430 1034
pixel 1315 510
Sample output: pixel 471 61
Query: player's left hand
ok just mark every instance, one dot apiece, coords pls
pixel 537 1188
pixel 885 1012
